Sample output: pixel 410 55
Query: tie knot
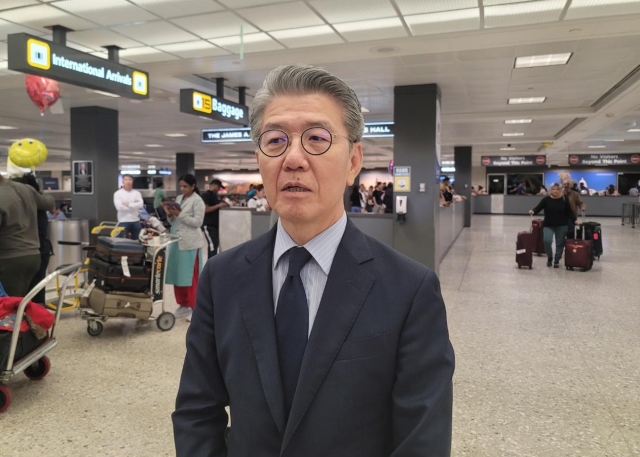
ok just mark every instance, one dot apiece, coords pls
pixel 298 258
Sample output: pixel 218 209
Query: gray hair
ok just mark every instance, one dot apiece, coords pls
pixel 556 185
pixel 307 79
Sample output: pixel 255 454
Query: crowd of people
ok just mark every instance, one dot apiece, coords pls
pixel 376 200
pixel 532 186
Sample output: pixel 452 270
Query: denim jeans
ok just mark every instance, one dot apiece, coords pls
pixel 560 233
pixel 356 209
pixel 130 228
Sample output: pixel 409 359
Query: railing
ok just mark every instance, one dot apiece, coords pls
pixel 631 214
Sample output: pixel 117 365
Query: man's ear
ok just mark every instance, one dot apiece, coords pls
pixel 355 163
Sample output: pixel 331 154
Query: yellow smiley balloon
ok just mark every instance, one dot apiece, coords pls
pixel 28 153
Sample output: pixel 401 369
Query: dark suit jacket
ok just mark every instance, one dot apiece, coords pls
pixel 375 379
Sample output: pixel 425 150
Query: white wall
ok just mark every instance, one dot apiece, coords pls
pixel 478 176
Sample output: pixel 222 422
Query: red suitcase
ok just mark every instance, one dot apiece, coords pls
pixel 578 254
pixel 537 229
pixel 524 254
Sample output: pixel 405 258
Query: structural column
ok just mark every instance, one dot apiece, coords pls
pixel 462 157
pixel 185 163
pixel 94 142
pixel 415 138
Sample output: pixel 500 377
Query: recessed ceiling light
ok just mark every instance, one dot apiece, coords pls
pixel 521 100
pixel 364 110
pixel 7 127
pixel 613 141
pixel 228 143
pixel 108 94
pixel 175 135
pixel 518 121
pixel 513 134
pixel 599 146
pixel 507 149
pixel 138 153
pixel 205 118
pixel 543 60
pixel 633 130
pixel 153 145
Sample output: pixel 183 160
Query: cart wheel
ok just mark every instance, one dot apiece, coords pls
pixel 38 370
pixel 166 321
pixel 94 328
pixel 5 398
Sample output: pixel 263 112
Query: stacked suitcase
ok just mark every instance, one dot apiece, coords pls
pixel 121 278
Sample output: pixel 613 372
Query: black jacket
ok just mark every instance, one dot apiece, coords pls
pixel 375 379
pixel 557 211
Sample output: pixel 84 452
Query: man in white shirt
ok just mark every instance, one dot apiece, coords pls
pixel 259 200
pixel 128 203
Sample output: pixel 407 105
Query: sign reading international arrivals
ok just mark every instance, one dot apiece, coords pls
pixel 371 130
pixel 207 105
pixel 604 159
pixel 513 161
pixel 36 56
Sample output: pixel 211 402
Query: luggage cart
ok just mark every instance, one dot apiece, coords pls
pixel 156 250
pixel 35 365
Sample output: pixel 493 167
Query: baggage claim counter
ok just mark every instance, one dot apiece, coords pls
pixel 521 204
pixel 238 225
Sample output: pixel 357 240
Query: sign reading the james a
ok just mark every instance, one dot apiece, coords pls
pixel 35 56
pixel 224 135
pixel 207 105
pixel 402 179
pixel 604 159
pixel 513 161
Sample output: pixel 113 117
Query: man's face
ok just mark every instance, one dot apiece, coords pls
pixel 322 177
pixel 566 185
pixel 261 193
pixel 127 183
pixel 214 188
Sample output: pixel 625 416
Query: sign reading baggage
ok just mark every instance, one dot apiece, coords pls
pixel 600 160
pixel 207 105
pixel 513 161
pixel 36 56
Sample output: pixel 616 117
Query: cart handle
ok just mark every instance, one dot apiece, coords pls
pixel 172 239
pixel 32 293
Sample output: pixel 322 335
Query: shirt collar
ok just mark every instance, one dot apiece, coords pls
pixel 322 247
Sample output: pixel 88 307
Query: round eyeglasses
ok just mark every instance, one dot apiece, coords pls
pixel 315 141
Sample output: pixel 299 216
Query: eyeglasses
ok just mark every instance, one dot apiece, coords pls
pixel 315 141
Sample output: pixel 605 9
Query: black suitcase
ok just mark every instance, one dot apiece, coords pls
pixel 27 342
pixel 592 231
pixel 111 278
pixel 112 250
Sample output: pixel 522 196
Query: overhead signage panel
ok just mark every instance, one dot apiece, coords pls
pixel 371 130
pixel 35 56
pixel 600 160
pixel 513 161
pixel 207 105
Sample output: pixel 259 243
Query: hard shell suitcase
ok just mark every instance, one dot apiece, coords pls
pixel 537 229
pixel 111 277
pixel 137 306
pixel 524 254
pixel 592 231
pixel 112 250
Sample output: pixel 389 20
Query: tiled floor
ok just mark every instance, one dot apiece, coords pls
pixel 548 363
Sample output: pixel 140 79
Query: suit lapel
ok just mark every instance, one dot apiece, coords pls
pixel 344 294
pixel 255 297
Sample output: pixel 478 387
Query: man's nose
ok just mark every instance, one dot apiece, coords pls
pixel 295 156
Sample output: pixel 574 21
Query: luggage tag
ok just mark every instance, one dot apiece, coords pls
pixel 521 251
pixel 125 266
pixel 88 290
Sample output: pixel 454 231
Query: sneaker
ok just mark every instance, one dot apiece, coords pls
pixel 182 311
pixel 556 265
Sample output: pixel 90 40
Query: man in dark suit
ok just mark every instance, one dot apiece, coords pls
pixel 322 341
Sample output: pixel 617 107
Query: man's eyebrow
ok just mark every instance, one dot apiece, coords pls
pixel 278 126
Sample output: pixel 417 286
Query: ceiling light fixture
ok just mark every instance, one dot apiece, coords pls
pixel 108 94
pixel 138 153
pixel 543 60
pixel 228 143
pixel 599 146
pixel 507 149
pixel 614 141
pixel 513 134
pixel 521 100
pixel 175 135
pixel 7 127
pixel 633 130
pixel 518 121
pixel 364 110
pixel 153 145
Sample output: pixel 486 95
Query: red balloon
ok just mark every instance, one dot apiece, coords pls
pixel 43 92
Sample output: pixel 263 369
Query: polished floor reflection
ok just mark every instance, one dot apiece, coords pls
pixel 547 363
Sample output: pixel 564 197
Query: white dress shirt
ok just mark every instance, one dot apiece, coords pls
pixel 315 273
pixel 128 213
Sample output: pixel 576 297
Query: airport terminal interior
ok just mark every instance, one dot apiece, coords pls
pixel 477 114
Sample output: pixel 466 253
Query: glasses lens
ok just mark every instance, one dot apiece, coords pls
pixel 316 140
pixel 273 142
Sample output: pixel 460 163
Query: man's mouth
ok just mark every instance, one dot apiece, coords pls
pixel 295 189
